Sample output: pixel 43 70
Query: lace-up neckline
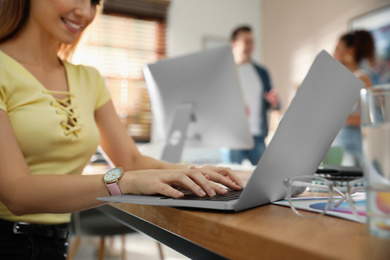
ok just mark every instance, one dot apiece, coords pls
pixel 66 107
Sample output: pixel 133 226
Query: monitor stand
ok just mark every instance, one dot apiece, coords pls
pixel 173 148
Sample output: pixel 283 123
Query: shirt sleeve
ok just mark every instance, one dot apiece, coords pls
pixel 93 77
pixel 103 95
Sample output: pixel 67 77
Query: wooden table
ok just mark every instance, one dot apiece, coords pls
pixel 267 232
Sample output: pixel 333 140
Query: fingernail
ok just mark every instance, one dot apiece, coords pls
pixel 223 190
pixel 212 192
pixel 202 193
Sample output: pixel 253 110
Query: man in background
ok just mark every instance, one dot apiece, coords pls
pixel 257 92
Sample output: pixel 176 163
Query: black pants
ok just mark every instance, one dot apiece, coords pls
pixel 30 242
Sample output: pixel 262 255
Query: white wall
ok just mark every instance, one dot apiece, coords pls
pixel 190 21
pixel 295 31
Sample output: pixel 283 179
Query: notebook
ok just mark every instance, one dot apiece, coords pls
pixel 301 141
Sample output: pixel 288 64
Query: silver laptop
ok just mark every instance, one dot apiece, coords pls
pixel 302 139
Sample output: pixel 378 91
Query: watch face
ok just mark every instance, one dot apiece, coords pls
pixel 113 174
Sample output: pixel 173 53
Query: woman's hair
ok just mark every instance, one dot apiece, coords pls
pixel 363 42
pixel 14 15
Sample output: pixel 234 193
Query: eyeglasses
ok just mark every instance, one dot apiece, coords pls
pixel 319 195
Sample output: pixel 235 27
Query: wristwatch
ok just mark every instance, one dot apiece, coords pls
pixel 111 179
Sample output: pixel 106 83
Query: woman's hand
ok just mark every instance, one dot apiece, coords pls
pixel 202 181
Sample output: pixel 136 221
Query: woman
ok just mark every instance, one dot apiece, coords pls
pixel 355 50
pixel 53 115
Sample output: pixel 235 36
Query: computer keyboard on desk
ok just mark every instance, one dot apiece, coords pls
pixel 231 195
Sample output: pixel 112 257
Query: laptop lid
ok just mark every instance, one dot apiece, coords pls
pixel 304 135
pixel 318 111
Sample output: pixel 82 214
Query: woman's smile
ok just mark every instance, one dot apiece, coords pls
pixel 71 25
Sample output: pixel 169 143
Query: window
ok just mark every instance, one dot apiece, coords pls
pixel 119 47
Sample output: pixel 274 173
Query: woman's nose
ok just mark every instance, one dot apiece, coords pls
pixel 85 9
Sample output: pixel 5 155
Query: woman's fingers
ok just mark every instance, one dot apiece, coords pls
pixel 224 176
pixel 234 177
pixel 201 181
pixel 225 171
pixel 205 180
pixel 170 191
pixel 215 176
pixel 193 180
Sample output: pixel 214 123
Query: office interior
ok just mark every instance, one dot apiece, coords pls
pixel 288 35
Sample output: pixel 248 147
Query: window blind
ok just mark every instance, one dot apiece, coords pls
pixel 137 8
pixel 119 47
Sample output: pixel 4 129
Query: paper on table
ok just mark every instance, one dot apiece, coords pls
pixel 316 204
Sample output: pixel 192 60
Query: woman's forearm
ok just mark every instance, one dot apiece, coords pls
pixel 54 193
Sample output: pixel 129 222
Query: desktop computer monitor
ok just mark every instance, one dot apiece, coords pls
pixel 197 101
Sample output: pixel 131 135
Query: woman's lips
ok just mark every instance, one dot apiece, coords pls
pixel 71 26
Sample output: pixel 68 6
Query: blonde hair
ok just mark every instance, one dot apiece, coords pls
pixel 14 15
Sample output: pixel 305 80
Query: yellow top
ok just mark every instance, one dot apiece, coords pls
pixel 56 136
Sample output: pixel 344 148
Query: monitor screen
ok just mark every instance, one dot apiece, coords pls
pixel 197 99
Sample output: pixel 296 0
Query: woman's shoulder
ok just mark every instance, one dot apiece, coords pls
pixel 83 75
pixel 86 79
pixel 7 64
pixel 81 68
pixel 4 70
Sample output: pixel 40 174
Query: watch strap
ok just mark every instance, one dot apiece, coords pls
pixel 113 188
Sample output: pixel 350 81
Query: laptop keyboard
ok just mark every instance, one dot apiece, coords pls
pixel 231 195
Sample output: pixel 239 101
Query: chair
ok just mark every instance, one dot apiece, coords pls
pixel 334 156
pixel 92 222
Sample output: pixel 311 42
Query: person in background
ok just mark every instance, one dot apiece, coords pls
pixel 356 51
pixel 259 96
pixel 53 116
